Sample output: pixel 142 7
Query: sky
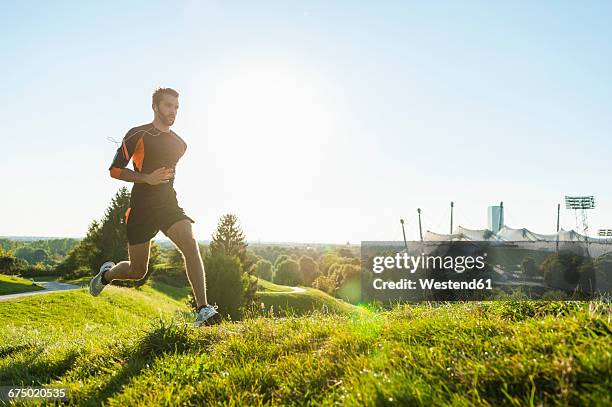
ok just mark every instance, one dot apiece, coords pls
pixel 312 121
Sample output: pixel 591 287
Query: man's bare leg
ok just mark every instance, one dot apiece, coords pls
pixel 182 236
pixel 135 268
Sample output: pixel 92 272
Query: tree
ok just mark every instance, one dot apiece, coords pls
pixel 529 267
pixel 588 280
pixel 280 259
pixel 105 241
pixel 113 232
pixel 288 273
pixel 561 271
pixel 326 284
pixel 345 252
pixel 349 284
pixel 309 270
pixel 11 265
pixel 334 270
pixel 83 258
pixel 228 285
pixel 263 269
pixel 31 255
pixel 349 272
pixel 229 239
pixel 326 261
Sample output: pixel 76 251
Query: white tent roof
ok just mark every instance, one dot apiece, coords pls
pixel 527 239
pixel 509 234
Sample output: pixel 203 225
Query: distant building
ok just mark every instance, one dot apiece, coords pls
pixel 495 213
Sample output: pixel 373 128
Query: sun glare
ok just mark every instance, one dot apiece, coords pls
pixel 271 117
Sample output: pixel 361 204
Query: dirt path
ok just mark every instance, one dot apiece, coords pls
pixel 50 286
pixel 298 289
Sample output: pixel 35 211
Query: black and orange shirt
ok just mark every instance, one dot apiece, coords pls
pixel 149 149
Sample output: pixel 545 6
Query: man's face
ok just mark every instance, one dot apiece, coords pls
pixel 167 109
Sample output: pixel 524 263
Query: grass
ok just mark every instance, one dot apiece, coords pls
pixel 14 285
pixel 131 347
pixel 281 303
pixel 81 281
pixel 46 278
pixel 281 300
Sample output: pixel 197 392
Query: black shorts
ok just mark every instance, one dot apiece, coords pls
pixel 143 223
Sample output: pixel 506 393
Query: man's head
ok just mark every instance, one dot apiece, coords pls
pixel 165 105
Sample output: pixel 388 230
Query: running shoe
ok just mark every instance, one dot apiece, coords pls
pixel 95 285
pixel 208 315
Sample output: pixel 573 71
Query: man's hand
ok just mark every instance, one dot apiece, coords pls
pixel 160 176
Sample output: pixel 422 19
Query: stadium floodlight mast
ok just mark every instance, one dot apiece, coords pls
pixel 605 232
pixel 451 225
pixel 582 204
pixel 404 233
pixel 420 228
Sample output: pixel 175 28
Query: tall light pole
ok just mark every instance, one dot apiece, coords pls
pixel 404 233
pixel 451 226
pixel 501 216
pixel 558 212
pixel 420 228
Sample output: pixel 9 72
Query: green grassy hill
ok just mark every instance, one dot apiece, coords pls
pixel 283 300
pixel 14 285
pixel 265 285
pixel 130 347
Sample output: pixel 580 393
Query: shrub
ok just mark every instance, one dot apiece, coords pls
pixel 224 283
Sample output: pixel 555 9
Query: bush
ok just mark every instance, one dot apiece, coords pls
pixel 224 283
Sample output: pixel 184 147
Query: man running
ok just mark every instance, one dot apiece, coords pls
pixel 154 150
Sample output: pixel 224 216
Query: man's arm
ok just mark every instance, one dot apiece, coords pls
pixel 159 176
pixel 130 147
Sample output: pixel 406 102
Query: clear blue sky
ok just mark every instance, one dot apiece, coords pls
pixel 312 121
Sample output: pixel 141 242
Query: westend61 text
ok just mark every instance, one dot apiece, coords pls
pixel 431 284
pixel 412 263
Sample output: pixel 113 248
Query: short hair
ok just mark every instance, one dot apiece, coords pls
pixel 160 92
